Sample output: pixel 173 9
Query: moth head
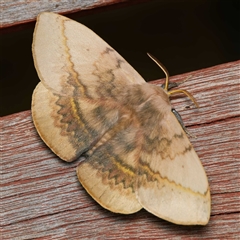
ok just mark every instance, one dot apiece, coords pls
pixel 166 84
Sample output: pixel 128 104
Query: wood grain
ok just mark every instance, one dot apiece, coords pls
pixel 41 197
pixel 17 12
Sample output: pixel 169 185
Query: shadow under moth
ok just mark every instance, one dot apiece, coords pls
pixel 91 102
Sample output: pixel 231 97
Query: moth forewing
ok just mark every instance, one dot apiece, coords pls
pixel 173 184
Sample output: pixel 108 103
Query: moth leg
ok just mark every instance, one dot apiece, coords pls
pixel 175 84
pixel 186 79
pixel 179 118
pixel 170 85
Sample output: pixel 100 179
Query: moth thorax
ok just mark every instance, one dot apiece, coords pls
pixel 157 96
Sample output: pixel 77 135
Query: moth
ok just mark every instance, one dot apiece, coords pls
pixel 92 103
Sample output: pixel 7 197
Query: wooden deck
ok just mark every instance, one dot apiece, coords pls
pixel 18 12
pixel 41 197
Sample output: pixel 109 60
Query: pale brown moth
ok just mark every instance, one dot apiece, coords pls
pixel 91 102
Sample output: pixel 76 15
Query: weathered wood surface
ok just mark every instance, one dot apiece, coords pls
pixel 18 11
pixel 41 197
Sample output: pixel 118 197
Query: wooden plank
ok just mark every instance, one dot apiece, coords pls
pixel 18 11
pixel 41 197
